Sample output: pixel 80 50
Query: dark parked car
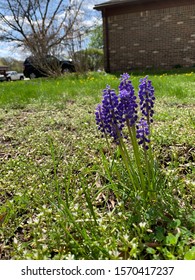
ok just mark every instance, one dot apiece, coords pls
pixel 34 68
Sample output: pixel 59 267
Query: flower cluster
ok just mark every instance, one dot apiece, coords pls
pixel 118 110
pixel 122 115
pixel 142 133
pixel 146 96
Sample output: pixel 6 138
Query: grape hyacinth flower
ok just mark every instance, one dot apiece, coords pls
pixel 125 83
pixel 99 118
pixel 127 105
pixel 117 111
pixel 108 119
pixel 142 133
pixel 146 96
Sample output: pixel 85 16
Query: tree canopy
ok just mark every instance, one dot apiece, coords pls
pixel 96 37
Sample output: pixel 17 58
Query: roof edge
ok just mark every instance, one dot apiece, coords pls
pixel 112 4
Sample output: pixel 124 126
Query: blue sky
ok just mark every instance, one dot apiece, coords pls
pixel 8 50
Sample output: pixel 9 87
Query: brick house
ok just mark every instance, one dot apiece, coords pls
pixel 141 34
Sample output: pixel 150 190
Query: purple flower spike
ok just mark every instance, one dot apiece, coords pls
pixel 125 83
pixel 99 118
pixel 107 117
pixel 143 133
pixel 127 106
pixel 146 95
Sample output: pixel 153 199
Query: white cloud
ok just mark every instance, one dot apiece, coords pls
pixel 9 50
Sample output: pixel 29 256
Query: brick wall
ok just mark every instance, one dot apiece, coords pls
pixel 159 38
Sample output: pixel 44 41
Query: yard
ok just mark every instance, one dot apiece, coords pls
pixel 65 195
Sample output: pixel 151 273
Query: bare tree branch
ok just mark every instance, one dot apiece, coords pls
pixel 40 26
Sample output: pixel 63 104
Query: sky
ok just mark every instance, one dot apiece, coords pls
pixel 8 50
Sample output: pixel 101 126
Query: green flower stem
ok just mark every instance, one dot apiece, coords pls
pixel 132 134
pixel 151 157
pixel 149 167
pixel 124 154
pixel 127 162
pixel 150 162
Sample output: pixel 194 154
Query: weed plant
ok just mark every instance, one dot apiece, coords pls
pixel 66 194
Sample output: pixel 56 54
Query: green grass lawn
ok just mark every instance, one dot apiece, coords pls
pixel 60 194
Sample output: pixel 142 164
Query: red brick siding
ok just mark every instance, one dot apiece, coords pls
pixel 159 38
